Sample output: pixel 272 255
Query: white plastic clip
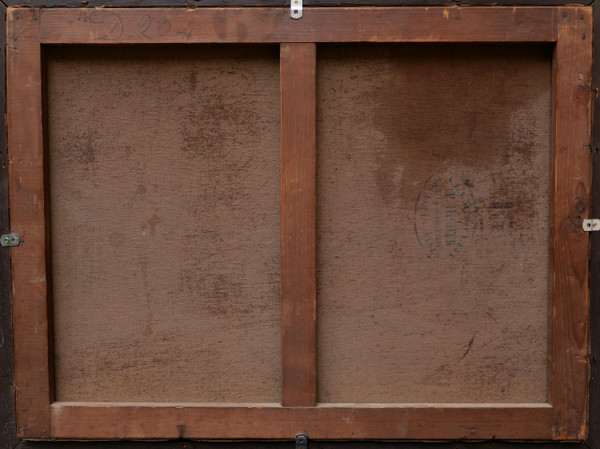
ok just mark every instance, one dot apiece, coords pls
pixel 591 225
pixel 296 9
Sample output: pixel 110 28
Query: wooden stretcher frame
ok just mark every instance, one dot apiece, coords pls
pixel 563 417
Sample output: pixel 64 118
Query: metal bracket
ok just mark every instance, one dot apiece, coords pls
pixel 591 225
pixel 301 441
pixel 10 240
pixel 296 9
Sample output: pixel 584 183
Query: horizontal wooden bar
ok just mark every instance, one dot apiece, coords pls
pixel 119 421
pixel 281 3
pixel 238 25
pixel 285 444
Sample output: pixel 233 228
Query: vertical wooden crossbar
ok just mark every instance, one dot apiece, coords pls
pixel 298 223
pixel 27 218
pixel 572 172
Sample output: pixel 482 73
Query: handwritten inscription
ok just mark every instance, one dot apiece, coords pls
pixel 445 216
pixel 105 25
pixel 111 19
pixel 112 27
pixel 164 27
pixel 144 24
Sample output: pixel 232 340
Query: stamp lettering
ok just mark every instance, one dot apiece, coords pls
pixel 445 216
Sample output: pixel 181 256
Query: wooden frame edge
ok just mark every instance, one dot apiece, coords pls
pixel 279 3
pixel 184 443
pixel 8 438
pixel 273 25
pixel 82 421
pixel 9 441
pixel 571 200
pixel 26 187
pixel 593 440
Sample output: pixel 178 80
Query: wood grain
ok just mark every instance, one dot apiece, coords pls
pixel 481 422
pixel 452 24
pixel 275 3
pixel 593 439
pixel 433 183
pixel 571 197
pixel 123 421
pixel 164 184
pixel 27 200
pixel 284 444
pixel 7 391
pixel 298 223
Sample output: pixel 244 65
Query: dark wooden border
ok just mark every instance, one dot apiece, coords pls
pixel 593 441
pixel 312 444
pixel 7 434
pixel 8 437
pixel 564 418
pixel 202 3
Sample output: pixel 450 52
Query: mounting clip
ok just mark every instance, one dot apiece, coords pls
pixel 296 9
pixel 591 225
pixel 301 441
pixel 10 240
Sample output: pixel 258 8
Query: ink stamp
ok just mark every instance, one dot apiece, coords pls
pixel 445 216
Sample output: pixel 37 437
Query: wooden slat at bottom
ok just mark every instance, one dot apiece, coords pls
pixel 470 422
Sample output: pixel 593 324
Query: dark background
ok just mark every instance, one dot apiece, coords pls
pixel 8 439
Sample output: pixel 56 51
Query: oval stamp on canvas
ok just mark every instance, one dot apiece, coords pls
pixel 445 216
